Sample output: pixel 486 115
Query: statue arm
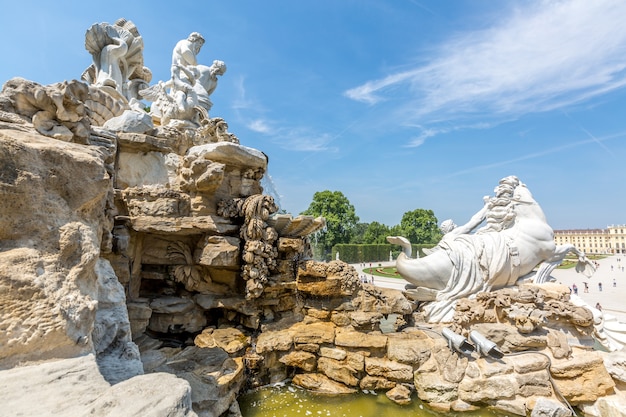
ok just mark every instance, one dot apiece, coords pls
pixel 189 73
pixel 473 222
pixel 188 57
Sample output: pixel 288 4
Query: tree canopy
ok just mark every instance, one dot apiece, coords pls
pixel 343 226
pixel 376 233
pixel 340 215
pixel 420 226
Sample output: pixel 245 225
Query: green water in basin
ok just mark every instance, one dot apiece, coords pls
pixel 290 401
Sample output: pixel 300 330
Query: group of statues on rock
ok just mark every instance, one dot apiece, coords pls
pixel 118 68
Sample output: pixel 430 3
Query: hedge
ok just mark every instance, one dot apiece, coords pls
pixel 353 254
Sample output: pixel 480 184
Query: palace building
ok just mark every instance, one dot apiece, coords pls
pixel 611 240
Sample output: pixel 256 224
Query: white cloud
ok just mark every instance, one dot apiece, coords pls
pixel 301 139
pixel 260 126
pixel 546 55
pixel 293 138
pixel 241 102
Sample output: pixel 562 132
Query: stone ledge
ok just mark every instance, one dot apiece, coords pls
pixel 183 225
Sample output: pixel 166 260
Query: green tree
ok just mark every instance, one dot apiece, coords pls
pixel 420 226
pixel 376 233
pixel 340 216
pixel 358 232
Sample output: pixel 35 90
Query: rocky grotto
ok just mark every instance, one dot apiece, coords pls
pixel 143 272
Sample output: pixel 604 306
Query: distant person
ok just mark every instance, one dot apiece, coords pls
pixel 586 286
pixel 575 288
pixel 598 306
pixel 600 286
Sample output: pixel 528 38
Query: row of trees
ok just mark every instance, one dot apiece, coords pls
pixel 343 226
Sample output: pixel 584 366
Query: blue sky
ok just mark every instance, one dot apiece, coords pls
pixel 398 104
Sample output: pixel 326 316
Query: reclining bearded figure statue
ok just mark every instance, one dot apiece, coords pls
pixel 513 241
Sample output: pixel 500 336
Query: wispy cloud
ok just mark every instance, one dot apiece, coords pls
pixel 260 126
pixel 574 144
pixel 546 56
pixel 304 139
pixel 300 139
pixel 241 102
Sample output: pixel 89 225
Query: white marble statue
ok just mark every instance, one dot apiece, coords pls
pixel 184 57
pixel 206 81
pixel 117 52
pixel 186 95
pixel 514 239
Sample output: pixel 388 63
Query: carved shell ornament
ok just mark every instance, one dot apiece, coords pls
pixel 100 35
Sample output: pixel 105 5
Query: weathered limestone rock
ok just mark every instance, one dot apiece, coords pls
pixel 183 225
pixel 334 279
pixel 483 390
pixel 75 387
pixel 321 384
pixel 400 394
pixel 384 301
pixel 615 364
pixel 545 407
pixel 152 359
pixel 353 339
pixel 286 244
pixel 338 370
pixel 534 384
pixel 142 143
pixel 412 349
pixel 218 251
pixel 376 383
pixel 529 362
pixel 191 319
pixel 117 356
pixel 450 364
pixel 610 406
pixel 433 388
pixel 557 342
pixel 318 333
pixel 230 339
pixel 130 121
pixel 234 303
pixel 172 305
pixel 389 369
pixel 53 214
pixel 139 314
pixel 340 318
pixel 63 111
pixel 158 395
pixel 582 378
pixel 214 377
pixel 231 154
pixel 333 353
pixel 274 341
pixel 300 359
pixel 362 320
pixel 144 169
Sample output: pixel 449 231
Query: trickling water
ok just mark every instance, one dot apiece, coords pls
pixel 269 188
pixel 290 401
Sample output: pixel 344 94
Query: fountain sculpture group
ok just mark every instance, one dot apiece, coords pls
pixel 144 272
